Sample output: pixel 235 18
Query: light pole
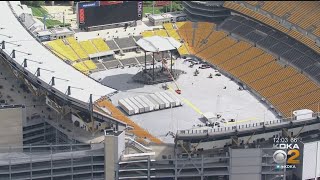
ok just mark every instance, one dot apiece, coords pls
pixel 44 21
pixel 13 53
pixel 25 62
pixel 69 89
pixel 6 35
pixel 3 44
pixel 52 82
pixel 37 73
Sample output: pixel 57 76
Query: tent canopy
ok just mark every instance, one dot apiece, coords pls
pixel 158 44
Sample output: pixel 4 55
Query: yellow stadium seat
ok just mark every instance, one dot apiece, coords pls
pixel 100 44
pixel 180 24
pixel 81 67
pixel 168 26
pixel 90 64
pixel 63 51
pixel 88 47
pixel 77 48
pixel 305 16
pixel 161 32
pixel 147 33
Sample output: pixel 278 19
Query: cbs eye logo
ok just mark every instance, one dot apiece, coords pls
pixel 280 156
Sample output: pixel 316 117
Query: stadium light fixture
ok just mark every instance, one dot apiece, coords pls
pixel 52 82
pixel 6 35
pixel 37 73
pixel 13 53
pixel 3 44
pixel 25 62
pixel 69 89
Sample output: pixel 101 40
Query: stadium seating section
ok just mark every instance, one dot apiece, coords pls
pixel 168 26
pixel 286 88
pixel 78 52
pixel 88 47
pixel 64 51
pixel 147 33
pixel 77 48
pixel 161 32
pixel 304 15
pixel 90 64
pixel 100 44
pixel 85 66
pixel 81 67
pixel 283 86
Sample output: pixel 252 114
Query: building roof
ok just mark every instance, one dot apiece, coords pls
pixel 158 44
pixel 44 33
pixel 166 15
pixel 61 30
pixel 156 16
pixel 83 85
pixel 100 54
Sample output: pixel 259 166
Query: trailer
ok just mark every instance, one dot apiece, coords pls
pixel 175 98
pixel 149 103
pixel 172 102
pixel 136 109
pixel 126 107
pixel 145 105
pixel 167 103
pixel 141 108
pixel 154 98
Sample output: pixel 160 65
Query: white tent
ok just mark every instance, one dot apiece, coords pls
pixel 158 44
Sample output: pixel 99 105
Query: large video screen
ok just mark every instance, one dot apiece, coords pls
pixel 97 13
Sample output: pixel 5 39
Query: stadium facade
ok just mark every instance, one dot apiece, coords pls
pixel 210 11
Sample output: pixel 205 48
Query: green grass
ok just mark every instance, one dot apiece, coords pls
pixel 38 11
pixel 50 23
pixel 149 10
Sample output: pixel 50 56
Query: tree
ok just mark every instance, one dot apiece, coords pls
pixel 176 6
pixel 147 3
pixel 33 3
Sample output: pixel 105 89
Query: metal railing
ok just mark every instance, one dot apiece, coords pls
pixel 249 126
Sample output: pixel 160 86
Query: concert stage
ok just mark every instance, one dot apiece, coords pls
pixel 161 75
pixel 158 45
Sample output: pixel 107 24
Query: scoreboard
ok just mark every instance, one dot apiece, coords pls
pixel 95 13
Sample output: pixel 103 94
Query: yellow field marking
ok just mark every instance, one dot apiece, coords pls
pixel 187 102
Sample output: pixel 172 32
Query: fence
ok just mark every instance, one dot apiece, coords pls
pixel 249 126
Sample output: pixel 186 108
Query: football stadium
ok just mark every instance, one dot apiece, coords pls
pixel 219 90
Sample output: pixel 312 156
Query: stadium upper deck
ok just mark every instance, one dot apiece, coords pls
pixel 41 59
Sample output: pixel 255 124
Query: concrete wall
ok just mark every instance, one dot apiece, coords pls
pixel 310 166
pixel 11 127
pixel 109 157
pixel 245 164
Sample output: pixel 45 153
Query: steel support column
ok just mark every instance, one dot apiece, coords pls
pixel 201 167
pixel 171 65
pixel 153 67
pixel 145 61
pixel 175 167
pixel 148 167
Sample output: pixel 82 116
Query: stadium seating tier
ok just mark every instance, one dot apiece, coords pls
pixel 258 69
